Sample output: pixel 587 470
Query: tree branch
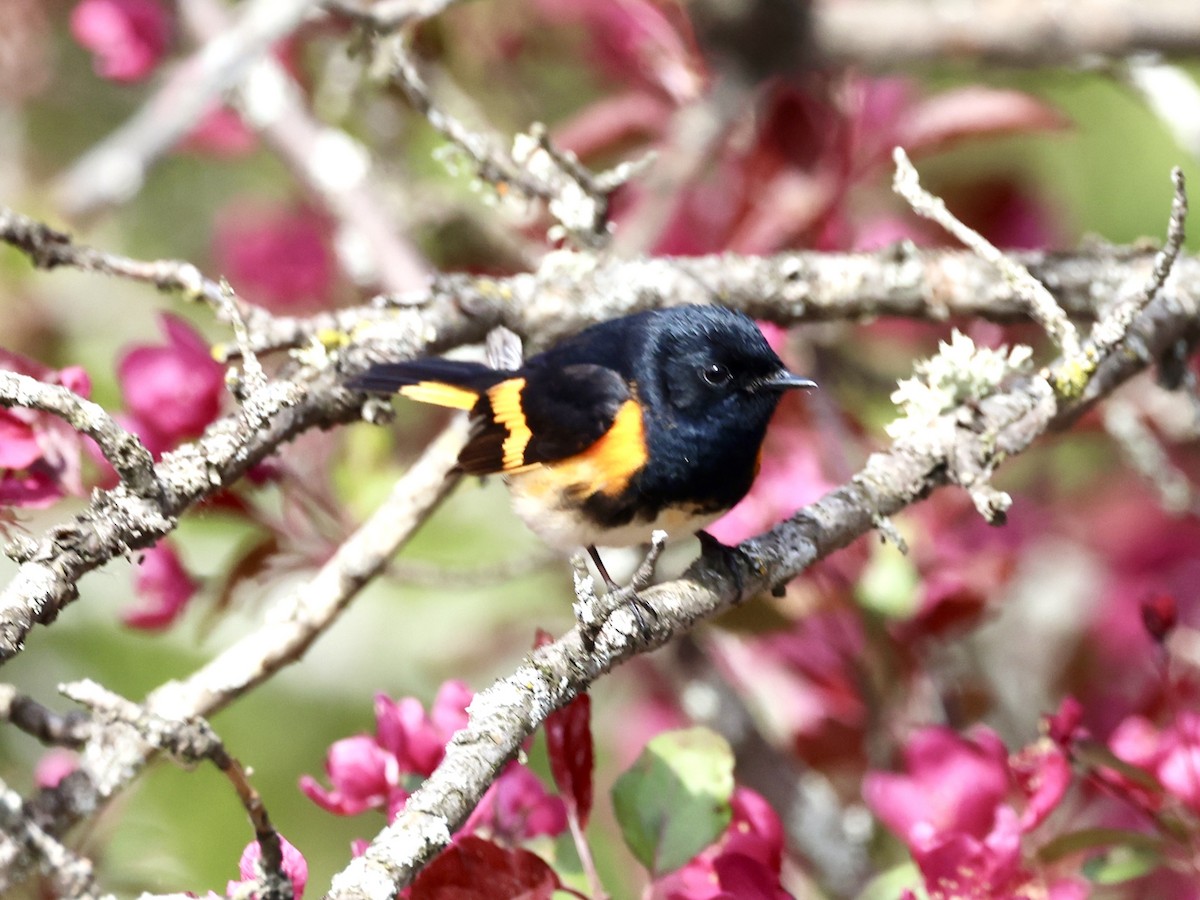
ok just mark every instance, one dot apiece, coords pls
pixel 115 168
pixel 121 448
pixel 303 617
pixel 567 293
pixel 888 34
pixel 964 445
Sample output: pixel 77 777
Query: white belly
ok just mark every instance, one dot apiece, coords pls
pixel 541 507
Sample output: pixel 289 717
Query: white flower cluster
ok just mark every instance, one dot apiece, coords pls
pixel 959 372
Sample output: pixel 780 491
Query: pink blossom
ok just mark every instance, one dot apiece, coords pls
pixel 754 830
pixel 449 710
pixel 371 772
pixel 222 133
pixel 941 121
pixel 614 121
pixel 127 37
pixel 949 807
pixel 1005 212
pixel 19 447
pixel 164 588
pixel 1160 614
pixel 886 230
pixel 517 807
pixel 408 734
pixel 1042 773
pixel 295 867
pixel 416 740
pixel 636 41
pixel 951 785
pixel 1065 725
pixel 1159 557
pixel 279 257
pixel 362 774
pixel 39 453
pixel 174 391
pixel 1171 754
pixel 809 677
pixel 959 865
pixel 962 561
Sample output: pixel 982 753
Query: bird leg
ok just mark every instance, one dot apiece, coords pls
pixel 612 586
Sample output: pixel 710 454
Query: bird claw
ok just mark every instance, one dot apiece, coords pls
pixel 592 611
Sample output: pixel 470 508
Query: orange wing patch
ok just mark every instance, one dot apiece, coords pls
pixel 440 394
pixel 609 465
pixel 507 411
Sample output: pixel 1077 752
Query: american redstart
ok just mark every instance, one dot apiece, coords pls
pixel 650 421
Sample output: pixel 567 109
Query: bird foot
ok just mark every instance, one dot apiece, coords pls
pixel 593 611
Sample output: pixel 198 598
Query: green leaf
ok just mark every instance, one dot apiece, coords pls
pixel 674 801
pixel 890 884
pixel 1084 839
pixel 1120 864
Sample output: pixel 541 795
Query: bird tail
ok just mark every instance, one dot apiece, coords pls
pixel 442 382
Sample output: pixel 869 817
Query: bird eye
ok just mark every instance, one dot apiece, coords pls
pixel 715 374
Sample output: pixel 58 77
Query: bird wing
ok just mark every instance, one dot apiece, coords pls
pixel 542 415
pixel 519 420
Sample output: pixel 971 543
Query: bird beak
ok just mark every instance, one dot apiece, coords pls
pixel 783 380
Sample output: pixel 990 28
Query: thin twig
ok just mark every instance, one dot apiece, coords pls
pixel 305 615
pixel 191 740
pixel 1115 324
pixel 49 248
pixel 1042 305
pixel 331 164
pixel 574 196
pixel 49 727
pixel 1147 456
pixel 71 875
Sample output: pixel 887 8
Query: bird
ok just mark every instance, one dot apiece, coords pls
pixel 650 421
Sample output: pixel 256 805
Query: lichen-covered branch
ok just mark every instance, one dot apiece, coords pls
pixel 965 445
pixel 131 460
pixel 304 615
pixel 568 292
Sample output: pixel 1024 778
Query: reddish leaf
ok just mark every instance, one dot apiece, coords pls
pixel 614 122
pixel 254 562
pixel 569 740
pixel 569 743
pixel 975 111
pixel 475 869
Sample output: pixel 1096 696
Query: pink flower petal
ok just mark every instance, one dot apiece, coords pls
pixel 127 37
pixel 164 588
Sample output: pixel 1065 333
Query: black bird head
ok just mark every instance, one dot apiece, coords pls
pixel 711 360
pixel 710 383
